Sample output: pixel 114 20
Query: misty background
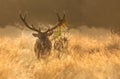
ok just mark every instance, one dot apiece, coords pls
pixel 98 13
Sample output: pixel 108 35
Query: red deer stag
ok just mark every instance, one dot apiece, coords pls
pixel 43 44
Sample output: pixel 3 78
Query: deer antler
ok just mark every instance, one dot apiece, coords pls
pixel 60 22
pixel 23 18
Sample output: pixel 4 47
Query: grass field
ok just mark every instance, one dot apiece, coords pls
pixel 89 57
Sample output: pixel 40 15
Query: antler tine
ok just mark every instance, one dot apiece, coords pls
pixel 58 16
pixel 64 18
pixel 23 18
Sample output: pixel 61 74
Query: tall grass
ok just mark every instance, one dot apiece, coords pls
pixel 88 58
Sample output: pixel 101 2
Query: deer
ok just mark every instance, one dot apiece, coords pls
pixel 43 44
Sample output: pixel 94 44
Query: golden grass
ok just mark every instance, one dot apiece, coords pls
pixel 88 58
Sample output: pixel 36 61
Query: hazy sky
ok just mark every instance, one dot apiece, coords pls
pixel 88 12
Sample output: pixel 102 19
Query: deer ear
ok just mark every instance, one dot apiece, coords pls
pixel 50 33
pixel 35 35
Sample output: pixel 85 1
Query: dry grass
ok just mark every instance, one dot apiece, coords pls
pixel 88 58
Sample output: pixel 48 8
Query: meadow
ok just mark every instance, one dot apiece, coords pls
pixel 93 53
